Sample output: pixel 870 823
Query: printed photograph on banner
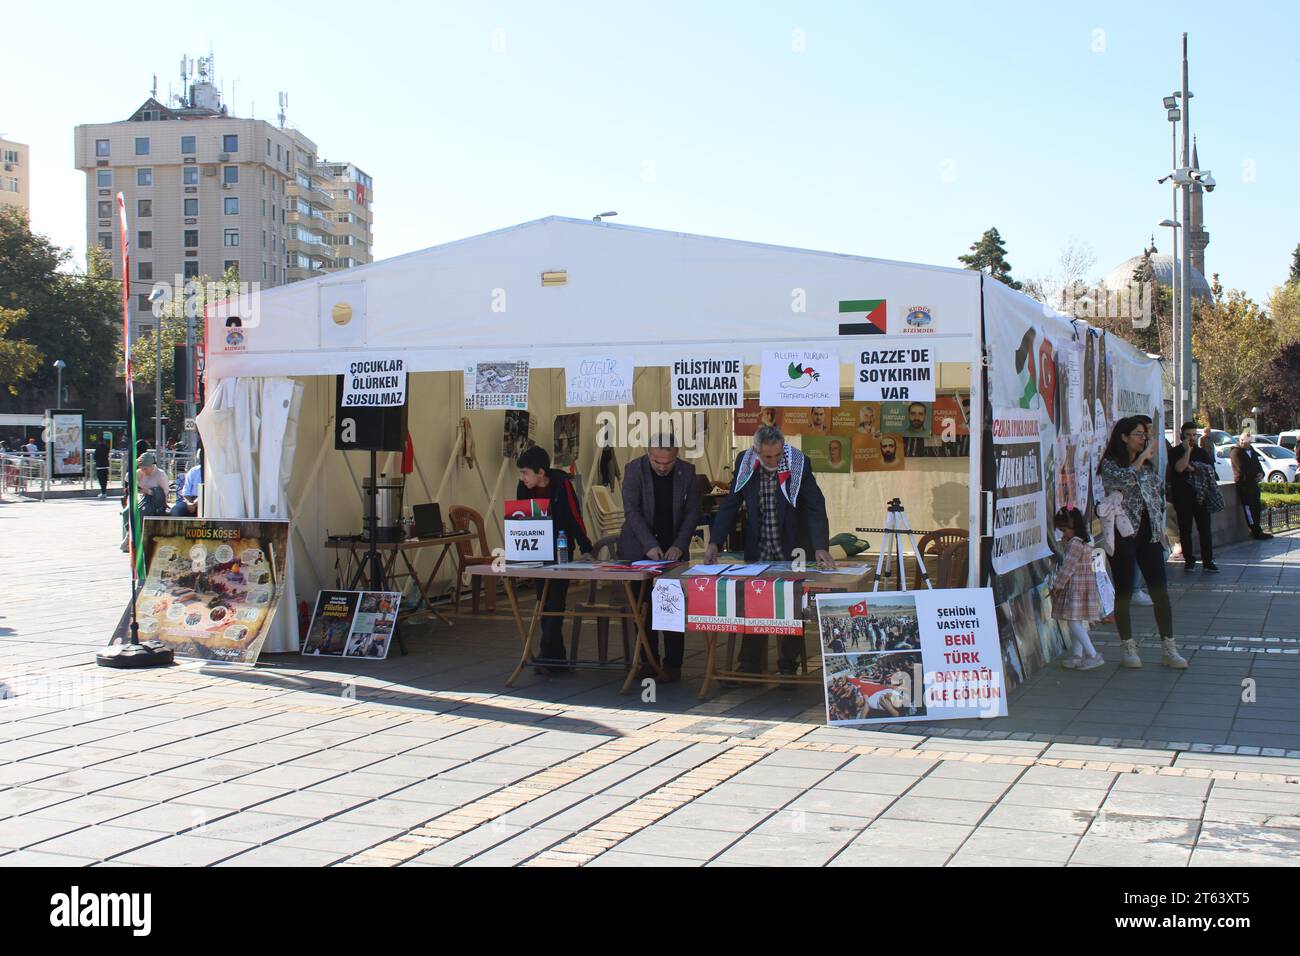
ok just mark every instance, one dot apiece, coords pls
pixel 372 628
pixel 352 624
pixel 519 435
pixel 844 420
pixel 950 425
pixel 598 380
pixel 828 454
pixel 806 421
pixel 747 419
pixel 1012 668
pixel 867 419
pixel 799 378
pixel 565 450
pixel 894 374
pixel 863 688
pixel 698 382
pixel 878 622
pixel 496 385
pixel 885 453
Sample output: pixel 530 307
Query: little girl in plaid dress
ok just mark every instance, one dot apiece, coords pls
pixel 1074 592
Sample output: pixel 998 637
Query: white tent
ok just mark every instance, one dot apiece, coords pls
pixel 657 295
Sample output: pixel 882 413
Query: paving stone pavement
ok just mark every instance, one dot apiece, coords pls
pixel 427 760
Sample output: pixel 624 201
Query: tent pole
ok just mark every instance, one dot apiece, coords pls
pixel 451 463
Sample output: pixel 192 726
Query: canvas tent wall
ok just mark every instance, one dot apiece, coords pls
pixel 656 295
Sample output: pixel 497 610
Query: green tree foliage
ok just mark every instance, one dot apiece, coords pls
pixel 19 359
pixel 989 254
pixel 172 322
pixel 1235 342
pixel 1284 307
pixel 1295 265
pixel 1281 392
pixel 71 317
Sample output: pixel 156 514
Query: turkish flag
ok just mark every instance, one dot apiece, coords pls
pixel 858 610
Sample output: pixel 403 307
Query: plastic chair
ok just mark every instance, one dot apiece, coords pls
pixel 467 519
pixel 951 572
pixel 930 547
pixel 602 550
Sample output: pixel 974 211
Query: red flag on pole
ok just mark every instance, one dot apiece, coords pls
pixel 859 609
pixel 408 456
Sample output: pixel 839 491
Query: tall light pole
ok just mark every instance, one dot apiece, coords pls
pixel 154 297
pixel 60 365
pixel 1185 330
pixel 1173 114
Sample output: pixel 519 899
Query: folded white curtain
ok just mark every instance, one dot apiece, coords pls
pixel 250 433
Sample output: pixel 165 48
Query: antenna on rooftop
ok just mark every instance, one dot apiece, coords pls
pixel 153 90
pixel 284 105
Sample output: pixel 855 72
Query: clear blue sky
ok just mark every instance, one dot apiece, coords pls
pixel 902 131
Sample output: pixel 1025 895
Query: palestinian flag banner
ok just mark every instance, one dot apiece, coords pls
pixel 771 608
pixel 711 605
pixel 863 317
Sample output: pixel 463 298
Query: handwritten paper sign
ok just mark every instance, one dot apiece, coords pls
pixel 598 380
pixel 700 381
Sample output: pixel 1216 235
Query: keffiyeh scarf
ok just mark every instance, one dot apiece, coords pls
pixel 789 473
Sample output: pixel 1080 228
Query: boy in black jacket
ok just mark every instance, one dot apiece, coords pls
pixel 537 479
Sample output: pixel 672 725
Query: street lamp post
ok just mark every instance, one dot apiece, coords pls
pixel 60 365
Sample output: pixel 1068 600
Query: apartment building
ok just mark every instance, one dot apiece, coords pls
pixel 206 191
pixel 15 174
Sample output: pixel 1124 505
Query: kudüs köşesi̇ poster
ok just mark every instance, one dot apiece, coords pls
pixel 211 588
pixel 907 656
pixel 1020 520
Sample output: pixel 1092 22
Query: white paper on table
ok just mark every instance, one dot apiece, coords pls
pixel 699 570
pixel 745 570
pixel 668 606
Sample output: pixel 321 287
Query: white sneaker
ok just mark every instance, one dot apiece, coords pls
pixel 1090 663
pixel 1072 663
pixel 1141 597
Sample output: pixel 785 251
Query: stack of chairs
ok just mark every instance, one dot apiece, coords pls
pixel 607 513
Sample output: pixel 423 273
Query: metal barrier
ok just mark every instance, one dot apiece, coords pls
pixel 1280 518
pixel 22 475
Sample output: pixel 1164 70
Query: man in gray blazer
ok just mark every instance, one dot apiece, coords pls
pixel 661 507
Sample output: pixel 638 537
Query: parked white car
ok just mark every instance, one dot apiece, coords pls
pixel 1279 463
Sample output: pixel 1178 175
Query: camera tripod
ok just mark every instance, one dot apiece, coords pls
pixel 892 547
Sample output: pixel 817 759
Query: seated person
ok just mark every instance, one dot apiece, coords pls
pixel 537 479
pixel 187 500
pixel 151 483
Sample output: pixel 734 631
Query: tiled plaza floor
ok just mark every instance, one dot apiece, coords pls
pixel 427 760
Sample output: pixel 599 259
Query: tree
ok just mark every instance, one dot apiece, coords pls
pixel 172 321
pixel 69 317
pixel 989 254
pixel 1281 393
pixel 1235 341
pixel 1295 266
pixel 19 359
pixel 1284 308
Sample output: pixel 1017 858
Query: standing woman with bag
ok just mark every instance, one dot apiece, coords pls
pixel 1127 468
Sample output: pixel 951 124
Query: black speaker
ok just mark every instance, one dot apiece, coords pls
pixel 183 374
pixel 367 429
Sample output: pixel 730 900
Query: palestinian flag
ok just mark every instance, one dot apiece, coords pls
pixel 771 608
pixel 859 609
pixel 863 317
pixel 711 605
pixel 527 508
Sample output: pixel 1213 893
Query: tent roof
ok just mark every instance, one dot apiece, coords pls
pixel 653 293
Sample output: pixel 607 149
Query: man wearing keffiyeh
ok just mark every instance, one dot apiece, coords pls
pixel 786 511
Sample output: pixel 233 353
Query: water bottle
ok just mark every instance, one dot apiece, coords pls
pixel 562 548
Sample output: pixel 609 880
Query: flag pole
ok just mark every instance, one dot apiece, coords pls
pixel 132 653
